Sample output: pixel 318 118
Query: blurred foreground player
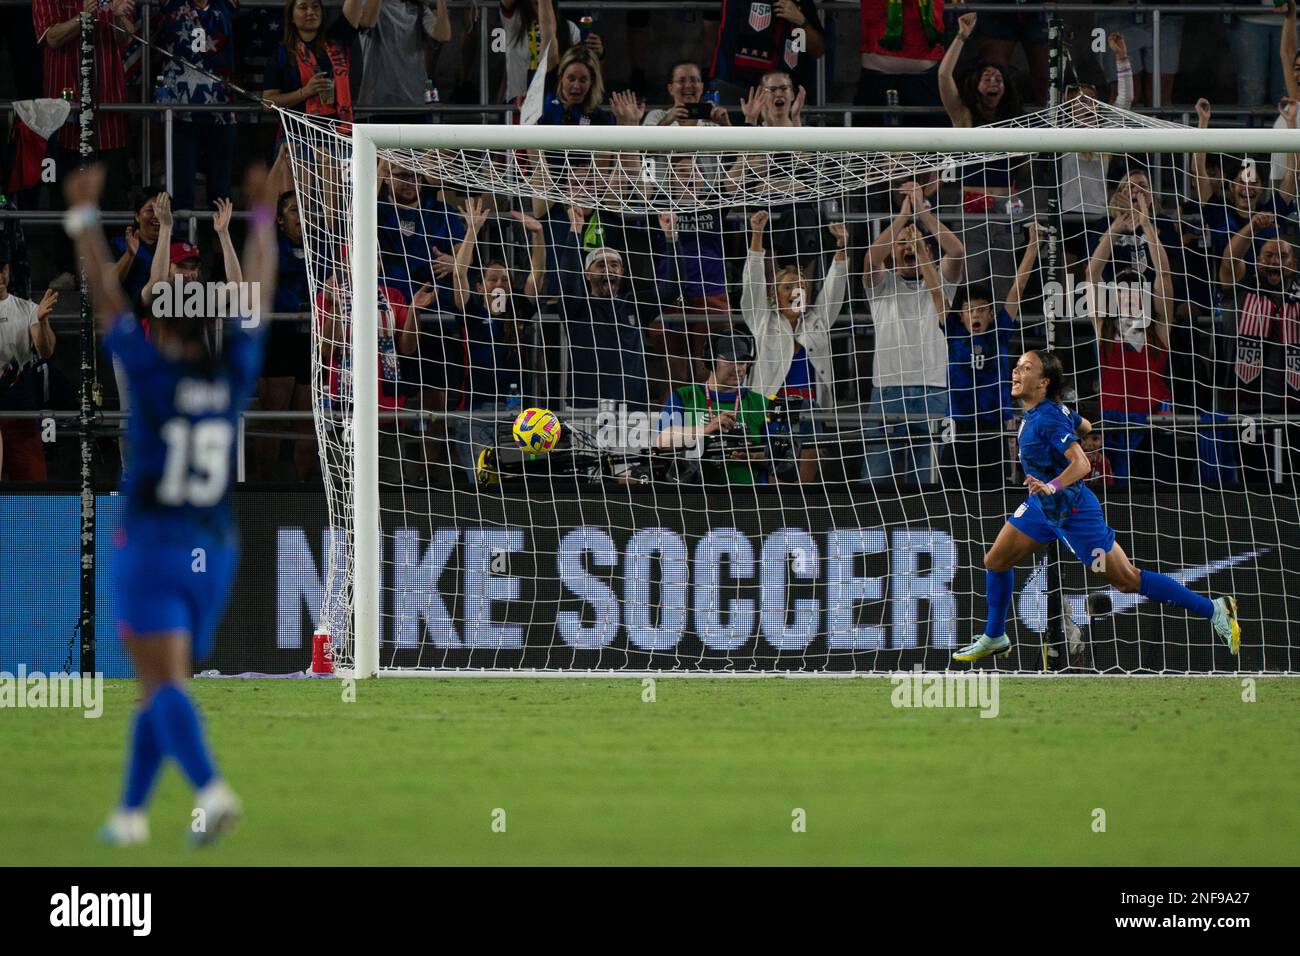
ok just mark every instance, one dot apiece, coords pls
pixel 175 555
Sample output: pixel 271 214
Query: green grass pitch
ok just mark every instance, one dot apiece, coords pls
pixel 709 773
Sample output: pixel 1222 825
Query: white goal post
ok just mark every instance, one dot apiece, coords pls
pixel 368 140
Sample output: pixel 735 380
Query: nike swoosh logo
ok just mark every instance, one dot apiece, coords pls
pixel 1031 602
pixel 1120 602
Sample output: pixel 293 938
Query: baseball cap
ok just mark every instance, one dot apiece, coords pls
pixel 733 347
pixel 181 251
pixel 604 252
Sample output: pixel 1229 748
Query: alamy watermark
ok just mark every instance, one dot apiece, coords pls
pixel 187 298
pixel 1089 299
pixel 618 428
pixel 83 692
pixel 948 689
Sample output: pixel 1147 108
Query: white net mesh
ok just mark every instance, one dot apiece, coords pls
pixel 783 381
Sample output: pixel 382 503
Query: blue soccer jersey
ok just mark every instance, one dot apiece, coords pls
pixel 182 425
pixel 1046 433
pixel 979 371
pixel 175 554
pixel 1072 514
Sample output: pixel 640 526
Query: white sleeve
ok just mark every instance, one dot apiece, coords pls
pixel 575 35
pixel 835 288
pixel 753 290
pixel 1123 83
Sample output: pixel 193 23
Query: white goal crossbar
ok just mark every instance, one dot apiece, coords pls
pixel 368 139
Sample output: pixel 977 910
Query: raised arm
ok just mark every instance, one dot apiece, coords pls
pixel 1287 187
pixel 753 282
pixel 1101 256
pixel 957 111
pixel 1012 304
pixel 1164 290
pixel 261 259
pixel 873 261
pixel 475 215
pixel 546 26
pixel 440 29
pixel 1205 185
pixel 162 256
pixel 82 190
pixel 1123 71
pixel 835 287
pixel 1288 51
pixel 930 274
pixel 362 13
pixel 952 248
pixel 221 223
pixel 536 280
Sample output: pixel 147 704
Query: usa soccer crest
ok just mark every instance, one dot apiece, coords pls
pixel 760 16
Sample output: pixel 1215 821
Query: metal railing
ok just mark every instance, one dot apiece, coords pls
pixel 486 23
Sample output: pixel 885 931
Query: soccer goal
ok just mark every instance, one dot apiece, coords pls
pixel 781 364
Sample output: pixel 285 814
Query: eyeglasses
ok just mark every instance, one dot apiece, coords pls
pixel 783 88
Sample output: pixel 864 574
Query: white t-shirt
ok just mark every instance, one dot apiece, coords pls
pixel 910 347
pixel 654 116
pixel 16 317
pixel 522 52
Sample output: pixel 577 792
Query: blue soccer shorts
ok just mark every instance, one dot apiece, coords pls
pixel 160 584
pixel 1084 529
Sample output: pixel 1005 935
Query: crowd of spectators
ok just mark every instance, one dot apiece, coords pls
pixel 903 305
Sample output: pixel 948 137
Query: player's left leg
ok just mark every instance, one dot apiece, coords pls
pixel 164 664
pixel 1116 568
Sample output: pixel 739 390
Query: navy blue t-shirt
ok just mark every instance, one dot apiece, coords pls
pixel 979 370
pixel 410 237
pixel 555 113
pixel 137 277
pixel 292 291
pixel 1221 219
pixel 491 364
pixel 1046 433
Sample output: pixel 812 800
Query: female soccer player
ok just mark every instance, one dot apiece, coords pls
pixel 175 554
pixel 1060 506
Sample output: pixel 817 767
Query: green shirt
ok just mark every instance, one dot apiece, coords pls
pixel 691 402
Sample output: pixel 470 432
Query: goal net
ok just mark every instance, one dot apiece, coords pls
pixel 780 363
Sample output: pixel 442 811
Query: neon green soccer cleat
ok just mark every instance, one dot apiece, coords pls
pixel 982 647
pixel 1226 624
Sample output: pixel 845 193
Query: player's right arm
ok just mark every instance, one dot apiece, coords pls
pixel 873 263
pixel 82 190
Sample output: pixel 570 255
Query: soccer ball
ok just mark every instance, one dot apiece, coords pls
pixel 536 430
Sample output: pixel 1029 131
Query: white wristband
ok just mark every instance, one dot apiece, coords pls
pixel 79 218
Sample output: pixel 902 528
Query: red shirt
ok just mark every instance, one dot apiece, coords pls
pixel 63 69
pixel 915 45
pixel 1134 382
pixel 394 315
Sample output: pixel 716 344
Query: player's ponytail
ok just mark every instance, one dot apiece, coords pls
pixel 1054 372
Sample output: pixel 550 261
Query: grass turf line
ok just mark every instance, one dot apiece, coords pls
pixel 708 774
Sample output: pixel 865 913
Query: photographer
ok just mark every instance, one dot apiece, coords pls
pixel 728 418
pixel 686 87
